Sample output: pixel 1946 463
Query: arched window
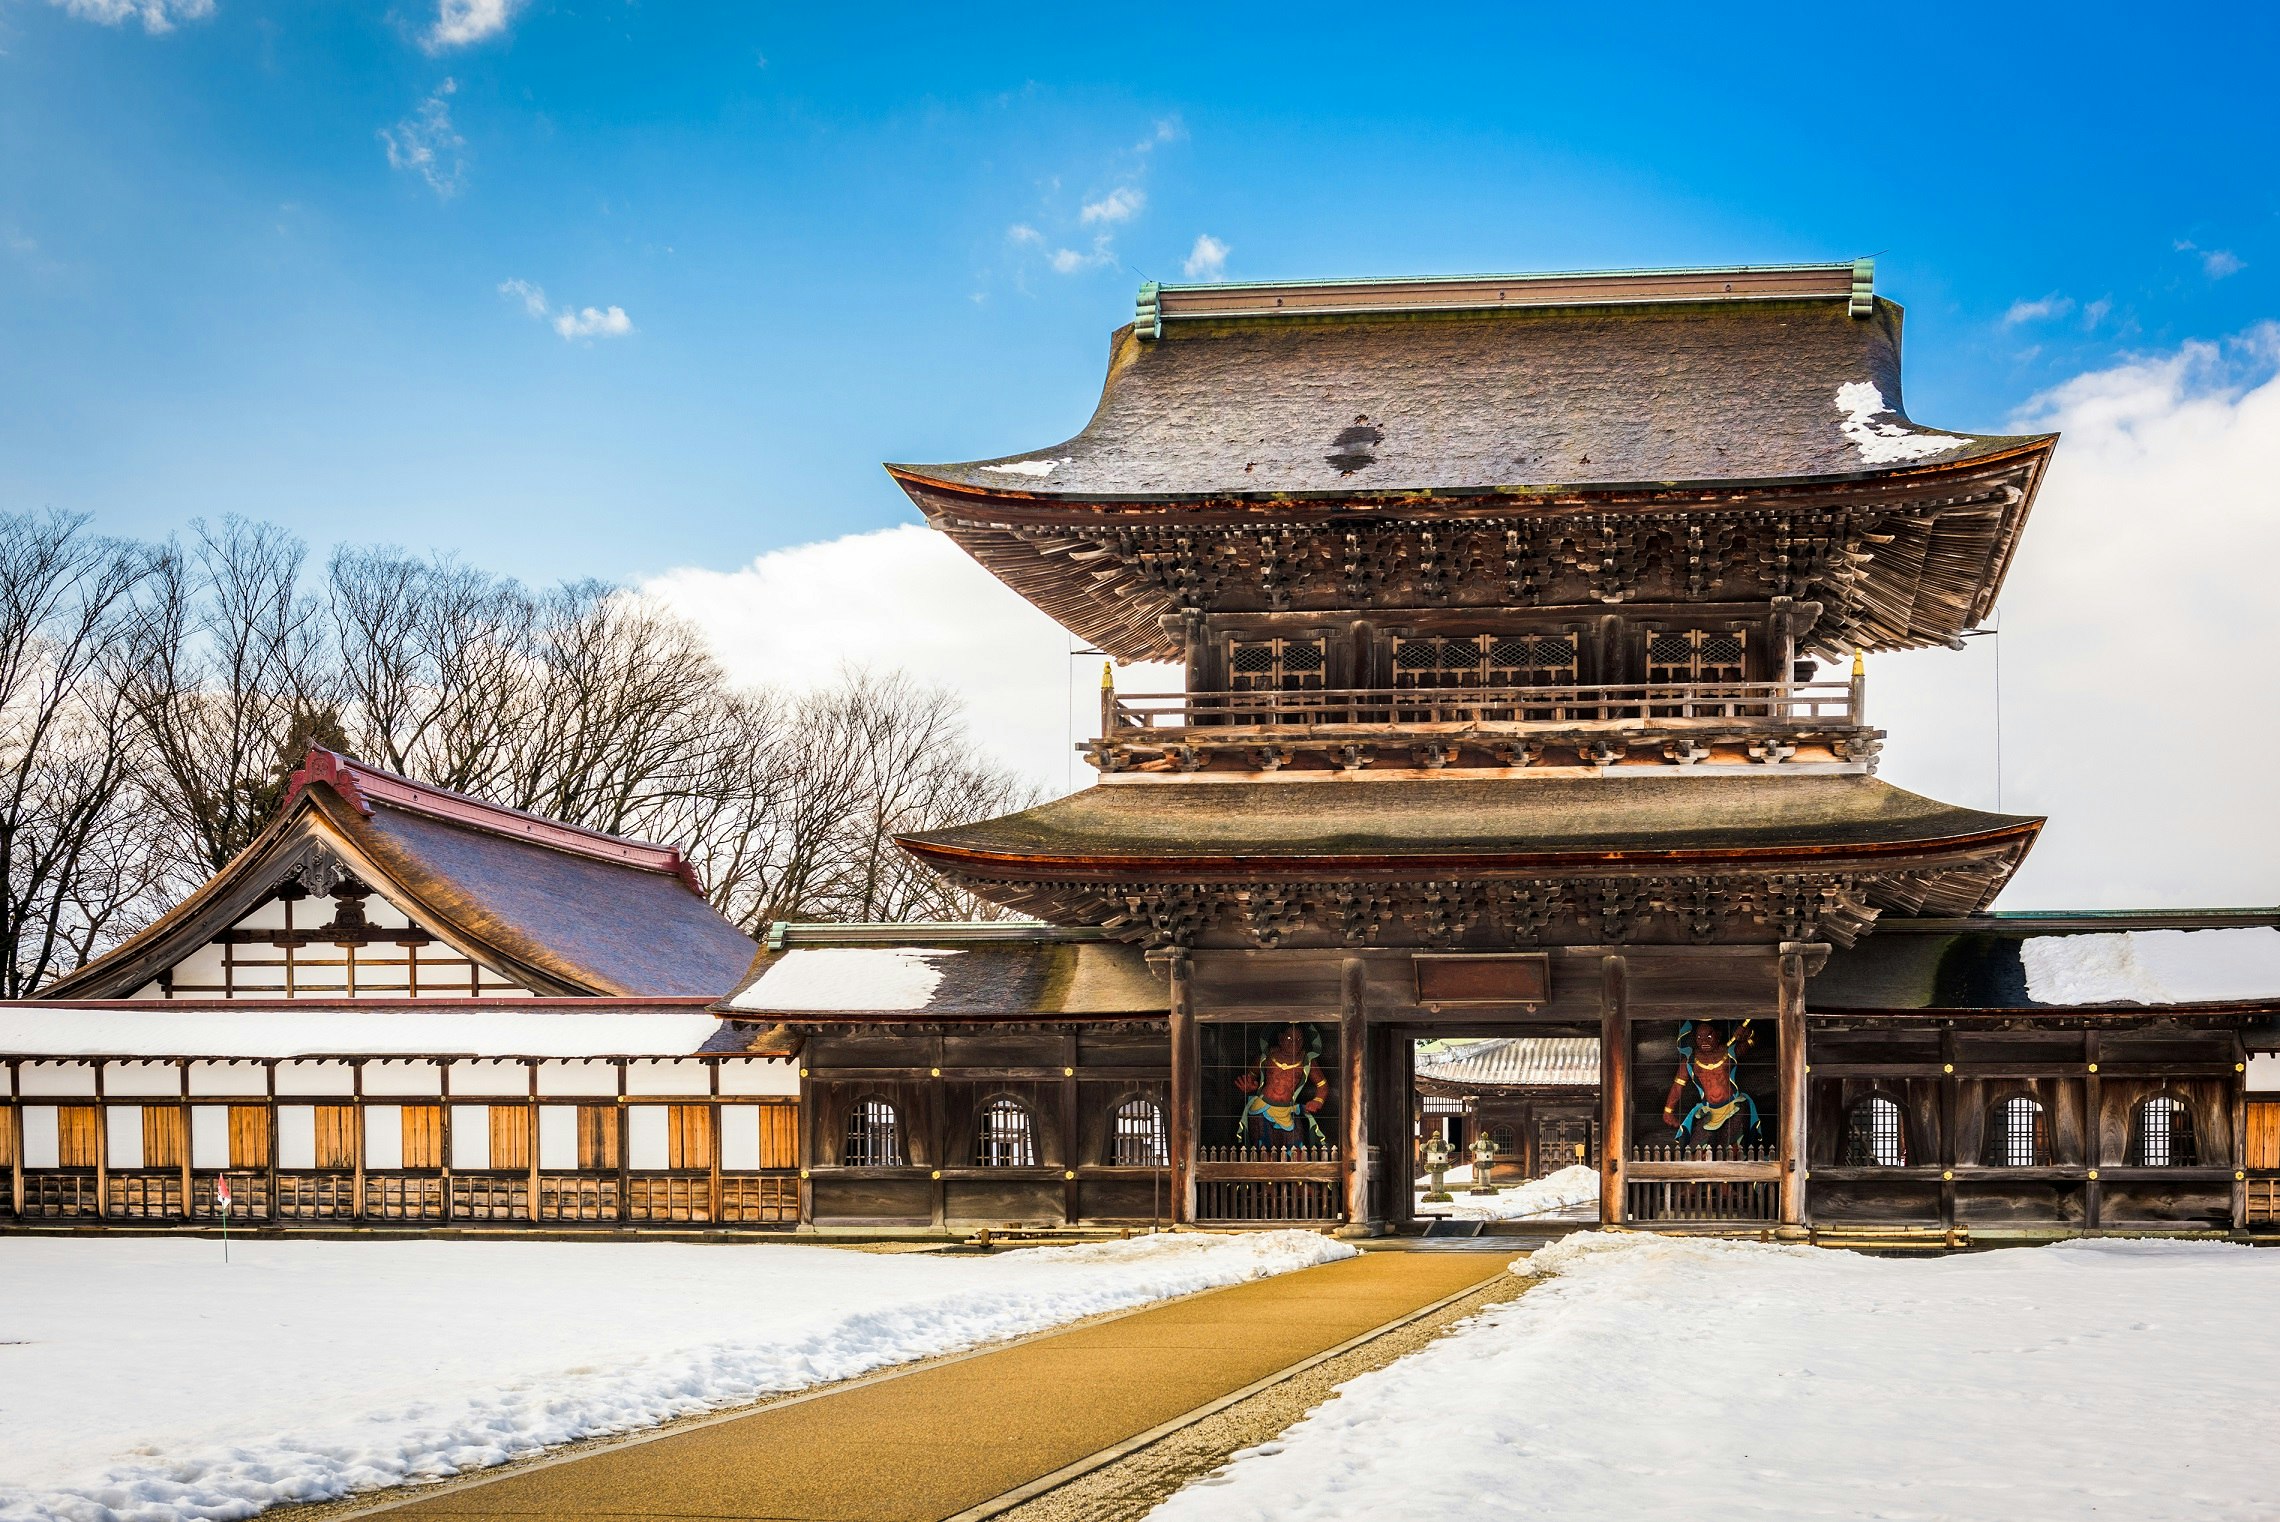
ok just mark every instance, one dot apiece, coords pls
pixel 1876 1135
pixel 2164 1134
pixel 2020 1135
pixel 1136 1136
pixel 874 1136
pixel 1008 1138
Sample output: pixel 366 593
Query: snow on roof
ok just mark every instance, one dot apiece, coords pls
pixel 1520 1060
pixel 64 1030
pixel 1890 442
pixel 822 978
pixel 2153 966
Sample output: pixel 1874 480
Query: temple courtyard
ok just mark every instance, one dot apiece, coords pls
pixel 2096 1378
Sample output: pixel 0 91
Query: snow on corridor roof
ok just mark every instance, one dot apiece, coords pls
pixel 2153 967
pixel 63 1030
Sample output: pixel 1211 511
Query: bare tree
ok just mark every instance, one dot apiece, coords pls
pixel 225 664
pixel 75 858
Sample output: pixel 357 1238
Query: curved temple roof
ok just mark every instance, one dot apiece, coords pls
pixel 1565 823
pixel 1617 392
pixel 565 910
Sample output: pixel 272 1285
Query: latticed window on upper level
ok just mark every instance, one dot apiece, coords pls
pixel 1485 660
pixel 1696 655
pixel 1275 665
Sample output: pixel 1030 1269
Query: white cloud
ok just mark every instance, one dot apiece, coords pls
pixel 2216 263
pixel 1207 260
pixel 155 15
pixel 1022 232
pixel 593 322
pixel 428 145
pixel 570 322
pixel 2096 312
pixel 2136 710
pixel 1068 261
pixel 907 597
pixel 2053 305
pixel 461 22
pixel 1120 205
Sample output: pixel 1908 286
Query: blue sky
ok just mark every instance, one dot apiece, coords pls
pixel 308 262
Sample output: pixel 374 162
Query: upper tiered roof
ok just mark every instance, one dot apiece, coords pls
pixel 1500 384
pixel 1480 401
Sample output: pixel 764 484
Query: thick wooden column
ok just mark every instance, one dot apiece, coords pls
pixel 1353 1052
pixel 1187 1054
pixel 1790 1027
pixel 2239 1135
pixel 1950 1103
pixel 1071 1204
pixel 2093 1137
pixel 1614 1087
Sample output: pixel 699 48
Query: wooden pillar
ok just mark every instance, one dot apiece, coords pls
pixel 443 1129
pixel 2093 1153
pixel 1070 1204
pixel 530 1123
pixel 809 1153
pixel 624 1149
pixel 14 1120
pixel 1614 1087
pixel 1790 1026
pixel 182 1116
pixel 1187 1055
pixel 712 1141
pixel 1949 1096
pixel 269 1098
pixel 2239 1134
pixel 102 1146
pixel 1400 1190
pixel 1353 1052
pixel 356 1140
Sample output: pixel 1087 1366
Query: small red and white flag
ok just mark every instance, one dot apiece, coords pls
pixel 222 1192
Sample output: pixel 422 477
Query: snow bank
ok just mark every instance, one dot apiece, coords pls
pixel 1654 1378
pixel 1545 1198
pixel 143 1379
pixel 2152 966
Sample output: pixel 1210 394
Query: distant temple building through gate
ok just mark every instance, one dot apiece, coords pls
pixel 1504 607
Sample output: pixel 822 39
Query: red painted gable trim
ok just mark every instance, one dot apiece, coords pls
pixel 361 786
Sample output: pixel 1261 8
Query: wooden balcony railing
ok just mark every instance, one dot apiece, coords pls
pixel 1596 725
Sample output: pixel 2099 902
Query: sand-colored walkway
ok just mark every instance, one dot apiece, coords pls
pixel 927 1445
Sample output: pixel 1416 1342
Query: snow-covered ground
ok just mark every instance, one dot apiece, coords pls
pixel 143 1378
pixel 1554 1197
pixel 1665 1378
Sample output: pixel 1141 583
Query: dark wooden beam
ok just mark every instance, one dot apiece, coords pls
pixel 1790 1033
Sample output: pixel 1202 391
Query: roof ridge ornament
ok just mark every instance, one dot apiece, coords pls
pixel 1863 288
pixel 1148 311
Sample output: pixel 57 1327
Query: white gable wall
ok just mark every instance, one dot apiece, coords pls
pixel 243 966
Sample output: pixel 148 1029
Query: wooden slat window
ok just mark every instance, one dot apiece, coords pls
pixel 336 1137
pixel 166 1141
pixel 779 1136
pixel 423 1136
pixel 689 1136
pixel 249 1136
pixel 510 1137
pixel 2264 1134
pixel 78 1129
pixel 597 1138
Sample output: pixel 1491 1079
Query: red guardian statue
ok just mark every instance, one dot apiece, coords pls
pixel 1722 1113
pixel 1286 1090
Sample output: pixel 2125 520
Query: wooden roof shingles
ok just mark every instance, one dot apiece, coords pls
pixel 563 909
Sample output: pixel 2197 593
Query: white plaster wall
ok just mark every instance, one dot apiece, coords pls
pixel 315 1078
pixel 593 1079
pixel 383 1136
pixel 558 1136
pixel 779 1076
pixel 58 1077
pixel 42 1144
pixel 209 1136
pixel 122 1131
pixel 679 1079
pixel 420 1078
pixel 508 1080
pixel 142 1079
pixel 470 1136
pixel 244 1079
pixel 297 1136
pixel 740 1136
pixel 646 1127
